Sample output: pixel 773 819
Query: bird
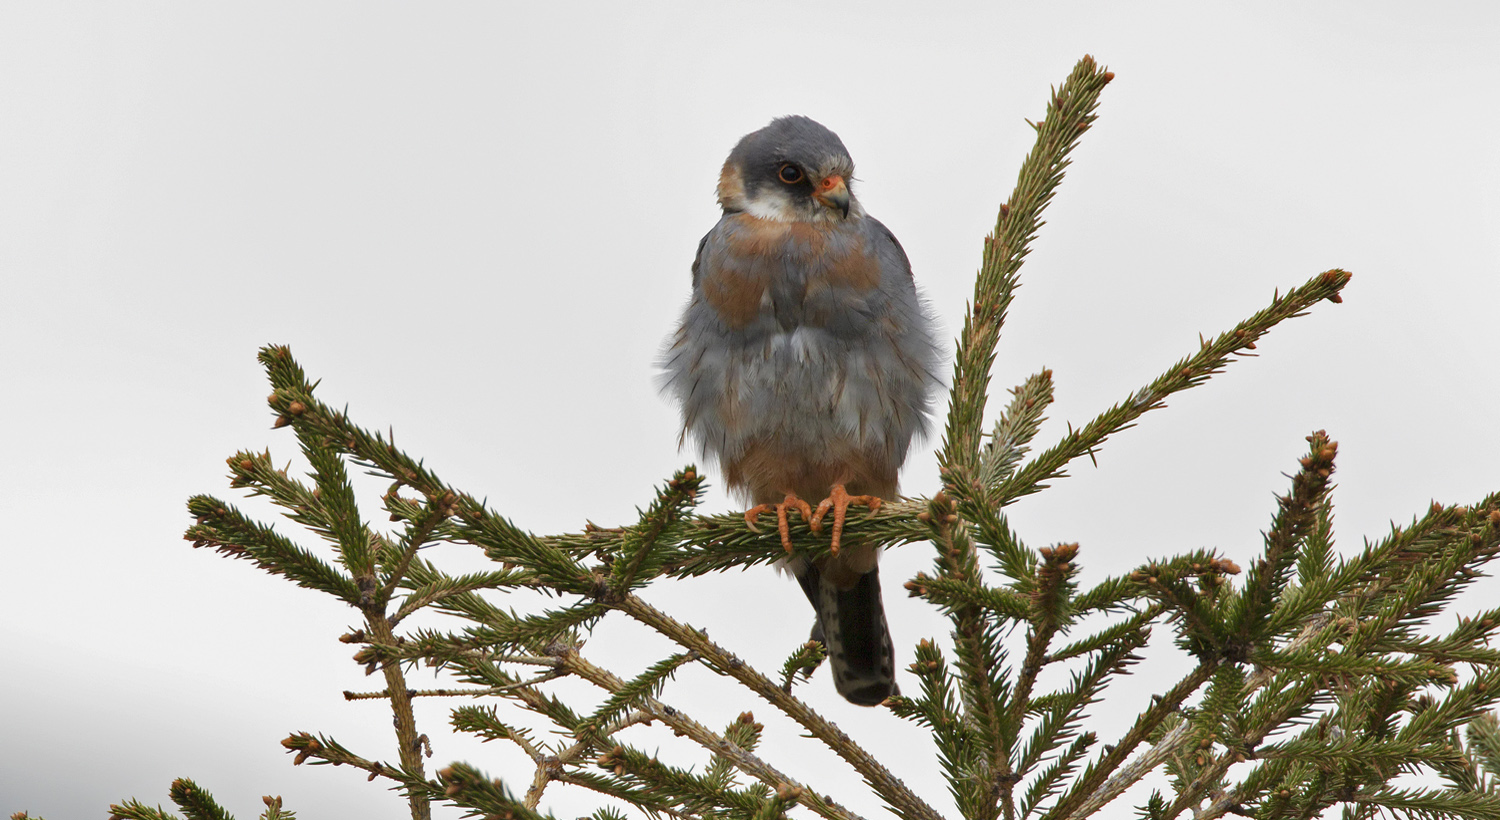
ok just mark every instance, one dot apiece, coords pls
pixel 804 364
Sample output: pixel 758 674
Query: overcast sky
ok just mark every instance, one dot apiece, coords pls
pixel 474 223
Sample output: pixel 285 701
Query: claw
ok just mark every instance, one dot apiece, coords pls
pixel 791 501
pixel 754 513
pixel 839 501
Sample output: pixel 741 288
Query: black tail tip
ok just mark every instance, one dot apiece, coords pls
pixel 868 692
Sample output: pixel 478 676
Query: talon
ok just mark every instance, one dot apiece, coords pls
pixel 754 513
pixel 839 501
pixel 782 526
pixel 802 507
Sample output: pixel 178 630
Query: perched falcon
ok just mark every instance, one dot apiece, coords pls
pixel 804 364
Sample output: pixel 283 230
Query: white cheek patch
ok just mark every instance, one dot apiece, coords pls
pixel 771 206
pixel 777 205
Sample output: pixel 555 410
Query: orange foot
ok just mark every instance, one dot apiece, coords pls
pixel 839 500
pixel 791 501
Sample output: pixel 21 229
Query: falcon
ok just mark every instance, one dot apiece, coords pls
pixel 804 364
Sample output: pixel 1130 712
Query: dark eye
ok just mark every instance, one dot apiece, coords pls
pixel 790 174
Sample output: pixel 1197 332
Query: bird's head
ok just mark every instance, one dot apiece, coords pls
pixel 793 170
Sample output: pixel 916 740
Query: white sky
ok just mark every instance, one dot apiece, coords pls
pixel 474 223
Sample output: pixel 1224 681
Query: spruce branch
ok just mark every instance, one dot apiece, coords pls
pixel 229 532
pixel 687 790
pixel 447 693
pixel 468 788
pixel 1070 112
pixel 631 694
pixel 426 586
pixel 593 737
pixel 409 742
pixel 1016 427
pixel 274 810
pixel 723 747
pixel 1134 631
pixel 980 659
pixel 1296 519
pixel 895 793
pixel 1062 711
pixel 129 810
pixel 640 545
pixel 418 534
pixel 951 594
pixel 196 804
pixel 1426 805
pixel 938 709
pixel 744 733
pixel 1107 778
pixel 1367 701
pixel 322 750
pixel 1192 371
pixel 1049 780
pixel 485 722
pixel 1483 735
pixel 802 663
pixel 192 801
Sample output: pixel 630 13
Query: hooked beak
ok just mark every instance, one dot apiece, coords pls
pixel 833 192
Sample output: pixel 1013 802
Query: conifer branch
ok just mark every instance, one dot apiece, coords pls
pixel 418 534
pixel 979 656
pixel 453 594
pixel 1190 372
pixel 895 793
pixel 192 800
pixel 409 742
pixel 596 736
pixel 1134 630
pixel 721 746
pixel 1063 710
pixel 802 663
pixel 324 750
pixel 1107 779
pixel 938 710
pixel 1483 735
pixel 228 531
pixel 639 544
pixel 1425 805
pixel 1070 112
pixel 447 693
pixel 469 788
pixel 1295 521
pixel 1016 427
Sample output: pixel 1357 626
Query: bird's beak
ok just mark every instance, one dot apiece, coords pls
pixel 833 192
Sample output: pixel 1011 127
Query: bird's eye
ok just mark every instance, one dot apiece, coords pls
pixel 790 174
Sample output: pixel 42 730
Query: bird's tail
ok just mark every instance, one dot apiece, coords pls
pixel 851 626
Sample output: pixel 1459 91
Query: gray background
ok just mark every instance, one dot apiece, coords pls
pixel 474 223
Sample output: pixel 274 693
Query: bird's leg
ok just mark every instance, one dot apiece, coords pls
pixel 839 500
pixel 791 501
